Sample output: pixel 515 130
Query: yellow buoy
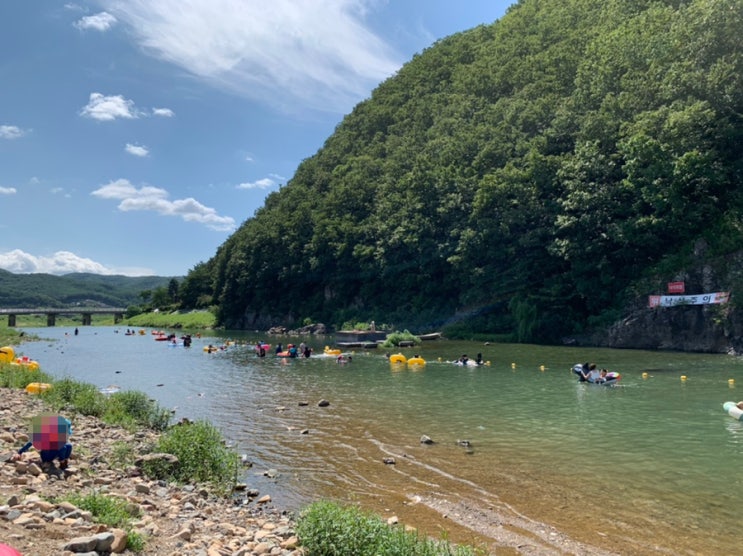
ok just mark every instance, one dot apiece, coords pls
pixel 683 378
pixel 731 381
pixel 487 363
pixel 644 375
pixel 541 368
pixel 513 365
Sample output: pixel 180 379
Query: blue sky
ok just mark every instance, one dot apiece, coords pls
pixel 137 135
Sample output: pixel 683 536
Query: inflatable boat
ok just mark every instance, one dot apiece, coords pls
pixel 607 380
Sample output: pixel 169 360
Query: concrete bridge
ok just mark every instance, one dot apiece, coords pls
pixel 51 313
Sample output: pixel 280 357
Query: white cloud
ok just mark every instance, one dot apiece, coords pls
pixel 11 132
pixel 107 108
pixel 263 183
pixel 137 150
pixel 61 262
pixel 100 22
pixel 295 55
pixel 155 199
pixel 163 112
pixel 7 190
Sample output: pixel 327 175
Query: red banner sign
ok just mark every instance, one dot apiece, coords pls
pixel 676 287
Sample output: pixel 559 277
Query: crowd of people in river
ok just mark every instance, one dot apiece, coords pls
pixel 292 351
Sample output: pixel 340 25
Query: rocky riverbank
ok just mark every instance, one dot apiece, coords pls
pixel 174 520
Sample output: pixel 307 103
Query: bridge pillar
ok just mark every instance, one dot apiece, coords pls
pixel 118 317
pixel 87 319
pixel 11 321
pixel 51 319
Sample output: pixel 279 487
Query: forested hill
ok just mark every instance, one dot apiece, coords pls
pixel 89 290
pixel 530 177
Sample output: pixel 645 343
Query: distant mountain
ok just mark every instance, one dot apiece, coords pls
pixel 90 290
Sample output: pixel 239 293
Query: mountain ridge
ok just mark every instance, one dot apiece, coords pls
pixel 53 291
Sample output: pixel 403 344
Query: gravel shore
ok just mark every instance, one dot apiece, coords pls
pixel 174 520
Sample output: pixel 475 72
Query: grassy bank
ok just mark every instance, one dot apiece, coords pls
pixel 39 321
pixel 196 320
pixel 192 320
pixel 327 528
pixel 12 337
pixel 201 450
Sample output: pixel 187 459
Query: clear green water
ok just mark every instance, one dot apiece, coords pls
pixel 652 464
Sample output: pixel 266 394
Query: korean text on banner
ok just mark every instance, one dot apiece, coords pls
pixel 701 299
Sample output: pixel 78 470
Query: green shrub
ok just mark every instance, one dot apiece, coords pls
pixel 327 529
pixel 130 403
pixel 159 418
pixel 90 401
pixel 134 542
pixel 15 376
pixel 395 338
pixel 114 512
pixel 128 409
pixel 9 336
pixel 80 396
pixel 134 403
pixel 202 455
pixel 132 408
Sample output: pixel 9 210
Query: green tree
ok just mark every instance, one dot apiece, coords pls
pixel 521 176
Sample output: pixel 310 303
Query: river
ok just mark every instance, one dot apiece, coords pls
pixel 520 449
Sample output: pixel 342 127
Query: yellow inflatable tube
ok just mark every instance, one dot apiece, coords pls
pixel 329 351
pixel 7 355
pixel 38 387
pixel 416 361
pixel 398 358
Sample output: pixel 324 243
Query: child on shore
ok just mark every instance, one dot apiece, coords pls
pixel 48 456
